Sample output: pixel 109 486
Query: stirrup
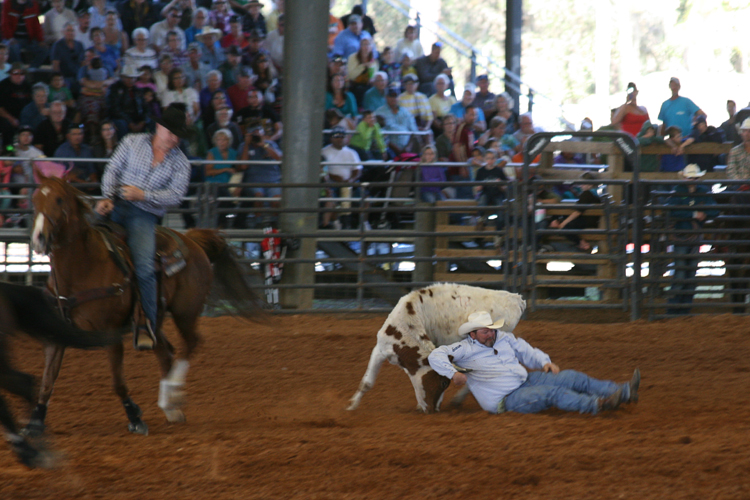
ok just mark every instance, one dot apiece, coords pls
pixel 144 338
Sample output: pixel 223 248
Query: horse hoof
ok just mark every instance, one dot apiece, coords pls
pixel 33 429
pixel 138 427
pixel 175 416
pixel 34 458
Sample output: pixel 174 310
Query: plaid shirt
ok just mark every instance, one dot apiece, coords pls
pixel 163 185
pixel 738 166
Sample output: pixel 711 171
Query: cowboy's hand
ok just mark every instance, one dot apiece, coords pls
pixel 131 193
pixel 459 379
pixel 104 207
pixel 551 367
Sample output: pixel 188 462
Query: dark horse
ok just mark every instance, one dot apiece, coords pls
pixel 82 267
pixel 26 309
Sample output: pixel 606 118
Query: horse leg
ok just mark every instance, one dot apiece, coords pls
pixel 132 410
pixel 53 356
pixel 172 385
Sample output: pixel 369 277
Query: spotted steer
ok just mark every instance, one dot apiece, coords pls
pixel 427 318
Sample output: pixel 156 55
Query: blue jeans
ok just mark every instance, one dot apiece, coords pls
pixel 689 265
pixel 569 390
pixel 140 226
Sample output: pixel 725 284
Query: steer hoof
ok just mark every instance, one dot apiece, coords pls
pixel 138 427
pixel 175 416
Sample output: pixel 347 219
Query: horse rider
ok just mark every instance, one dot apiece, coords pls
pixel 147 174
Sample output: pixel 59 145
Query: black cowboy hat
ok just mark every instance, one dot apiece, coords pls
pixel 174 119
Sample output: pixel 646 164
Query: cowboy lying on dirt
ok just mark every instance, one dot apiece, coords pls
pixel 494 374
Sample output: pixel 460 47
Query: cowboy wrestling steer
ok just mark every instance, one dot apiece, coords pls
pixel 427 318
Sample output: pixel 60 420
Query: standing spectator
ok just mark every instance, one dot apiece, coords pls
pixel 678 111
pixel 348 41
pixel 211 53
pixel 375 97
pixel 109 56
pixel 390 68
pixel 258 147
pixel 274 44
pixel 441 102
pixel 125 103
pixel 114 36
pixel 138 14
pixel 238 93
pixel 338 97
pixel 220 15
pixel 195 70
pixel 458 109
pixel 22 31
pixel 430 66
pixel 258 113
pixel 74 147
pixel 16 92
pixel 83 30
pixel 51 132
pixel 199 20
pixel 410 42
pixel 236 37
pixel 55 20
pixel 702 132
pixel 141 54
pixel 37 110
pixel 186 8
pixel 254 20
pixel 178 91
pixel 630 116
pixel 230 69
pixel 221 171
pixel 367 23
pixel 179 56
pixel 431 173
pixel 158 32
pixel 368 141
pixel 360 69
pixel 416 103
pixel 729 127
pixel 67 56
pixel 397 119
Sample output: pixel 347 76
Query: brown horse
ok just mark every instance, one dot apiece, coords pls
pixel 102 297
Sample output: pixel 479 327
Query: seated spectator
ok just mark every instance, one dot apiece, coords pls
pixel 74 147
pixel 213 85
pixel 23 171
pixel 59 92
pixel 158 32
pixel 258 113
pixel 729 127
pixel 336 66
pixel 236 37
pixel 141 54
pixel 51 132
pixel 114 34
pixel 22 31
pixel 484 99
pixel 702 132
pixel 368 141
pixel 335 26
pixel 98 12
pixel 647 136
pixel 161 77
pixel 526 129
pixel 186 8
pixel 440 102
pixel 397 119
pixel 95 81
pixel 567 158
pixel 506 144
pixel 265 79
pixel 255 50
pixel 674 162
pixel 4 65
pixel 406 68
pixel 55 20
pixel 463 139
pixel 490 195
pixel 360 69
pixel 253 20
pixel 274 44
pixel 444 142
pixel 504 107
pixel 37 110
pixel 410 42
pixel 218 101
pixel 67 55
pixel 375 97
pixel 258 147
pixel 109 56
pixel 211 53
pixel 429 67
pixel 125 103
pixel 416 103
pixel 458 109
pixel 333 119
pixel 347 42
pixel 223 121
pixel 238 93
pixel 576 220
pixel 178 91
pixel 220 15
pixel 16 92
pixel 199 21
pixel 195 70
pixel 338 97
pixel 273 18
pixel 231 67
pixel 221 171
pixel 431 173
pixel 173 49
pixel 83 33
pixel 138 14
pixel 146 78
pixel 367 24
pixel 390 67
pixel 339 172
pixel 105 145
pixel 152 109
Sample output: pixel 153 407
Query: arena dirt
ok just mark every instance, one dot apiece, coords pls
pixel 266 419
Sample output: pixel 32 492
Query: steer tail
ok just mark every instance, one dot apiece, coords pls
pixel 229 283
pixel 29 310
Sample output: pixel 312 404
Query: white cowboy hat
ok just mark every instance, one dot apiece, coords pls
pixel 692 171
pixel 130 71
pixel 745 124
pixel 477 320
pixel 208 30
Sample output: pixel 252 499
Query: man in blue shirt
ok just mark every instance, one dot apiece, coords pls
pixel 74 147
pixel 459 109
pixel 397 119
pixel 347 42
pixel 678 111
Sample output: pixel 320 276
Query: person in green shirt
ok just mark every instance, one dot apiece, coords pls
pixel 646 137
pixel 368 137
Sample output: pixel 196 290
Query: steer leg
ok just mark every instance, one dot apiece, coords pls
pixel 368 381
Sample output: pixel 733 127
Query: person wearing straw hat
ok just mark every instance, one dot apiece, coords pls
pixel 146 175
pixel 687 245
pixel 212 54
pixel 492 363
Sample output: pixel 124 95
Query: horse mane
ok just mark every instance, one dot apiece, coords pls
pixel 82 204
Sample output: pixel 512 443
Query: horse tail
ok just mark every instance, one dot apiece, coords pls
pixel 230 285
pixel 29 310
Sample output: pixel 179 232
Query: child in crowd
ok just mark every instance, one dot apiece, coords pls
pixel 576 220
pixel 368 139
pixel 146 80
pixel 676 161
pixel 152 107
pixel 431 173
pixel 392 69
pixel 59 92
pixel 490 195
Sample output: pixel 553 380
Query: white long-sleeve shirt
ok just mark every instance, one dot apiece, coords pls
pixel 496 371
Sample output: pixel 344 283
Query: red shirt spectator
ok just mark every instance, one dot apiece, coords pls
pixel 26 11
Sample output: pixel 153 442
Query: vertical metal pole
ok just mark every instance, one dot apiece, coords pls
pixel 419 25
pixel 473 74
pixel 531 100
pixel 513 26
pixel 424 246
pixel 305 46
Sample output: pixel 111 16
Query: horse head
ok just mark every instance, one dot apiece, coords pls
pixel 58 208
